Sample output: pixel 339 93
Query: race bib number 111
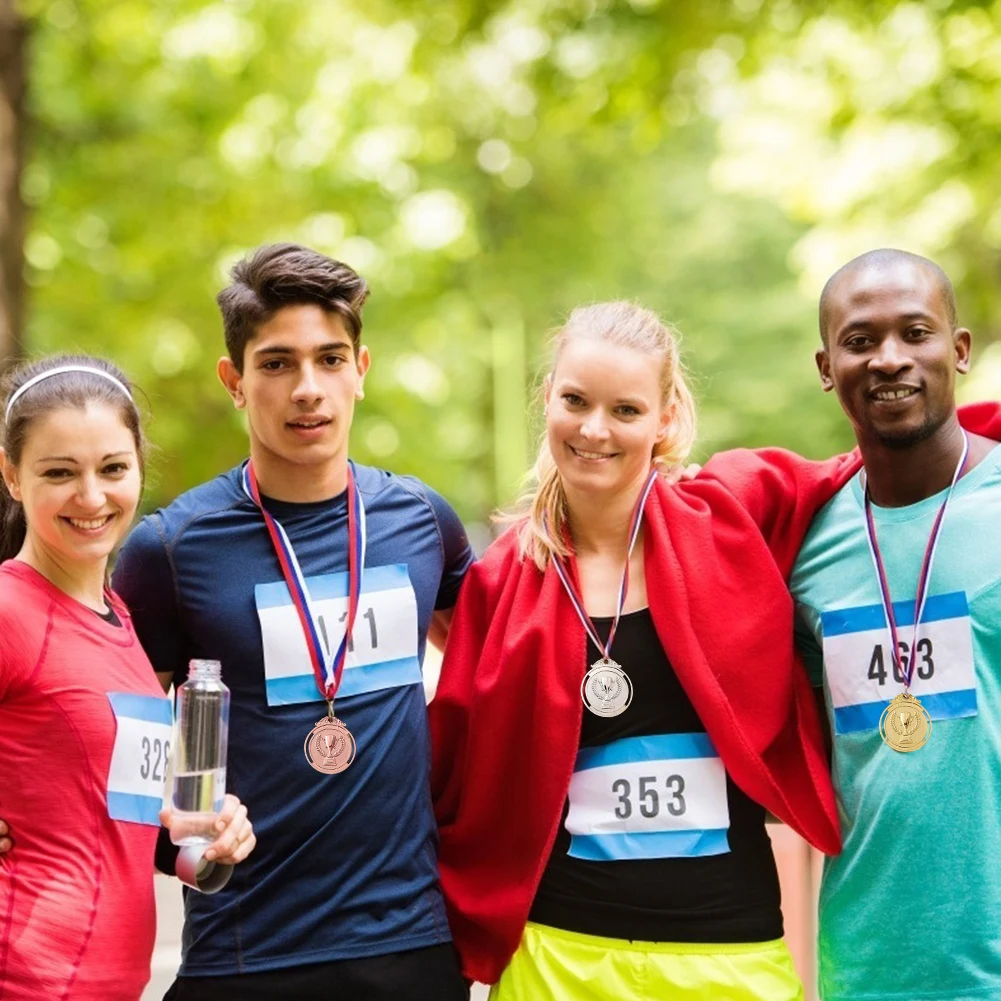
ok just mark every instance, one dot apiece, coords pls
pixel 383 648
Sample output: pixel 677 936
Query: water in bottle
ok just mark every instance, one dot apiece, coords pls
pixel 201 736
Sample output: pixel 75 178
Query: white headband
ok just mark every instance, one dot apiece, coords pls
pixel 21 390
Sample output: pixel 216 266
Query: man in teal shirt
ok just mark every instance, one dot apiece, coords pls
pixel 911 909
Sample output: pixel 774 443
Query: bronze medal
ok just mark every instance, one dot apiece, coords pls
pixel 330 748
pixel 905 724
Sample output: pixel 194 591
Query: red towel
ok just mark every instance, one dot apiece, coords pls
pixel 505 723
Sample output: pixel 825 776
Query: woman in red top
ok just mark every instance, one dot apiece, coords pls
pixel 619 704
pixel 84 723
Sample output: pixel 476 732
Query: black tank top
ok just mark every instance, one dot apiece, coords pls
pixel 729 897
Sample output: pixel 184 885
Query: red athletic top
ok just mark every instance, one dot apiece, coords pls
pixel 505 722
pixel 77 914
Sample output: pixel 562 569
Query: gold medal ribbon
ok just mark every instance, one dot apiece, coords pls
pixel 912 716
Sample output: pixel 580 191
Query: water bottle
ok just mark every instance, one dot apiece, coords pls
pixel 201 737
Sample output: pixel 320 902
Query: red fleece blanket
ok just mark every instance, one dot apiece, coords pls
pixel 505 722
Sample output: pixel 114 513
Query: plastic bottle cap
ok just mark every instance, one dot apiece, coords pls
pixel 204 669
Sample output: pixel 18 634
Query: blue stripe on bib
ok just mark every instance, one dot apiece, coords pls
pixel 649 844
pixel 866 617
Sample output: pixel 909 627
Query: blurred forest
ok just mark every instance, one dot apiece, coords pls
pixel 487 166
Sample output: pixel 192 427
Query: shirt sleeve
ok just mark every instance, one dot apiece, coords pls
pixel 9 668
pixel 459 555
pixel 145 580
pixel 806 632
pixel 19 652
pixel 165 855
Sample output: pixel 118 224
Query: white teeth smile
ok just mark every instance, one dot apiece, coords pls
pixel 591 455
pixel 90 523
pixel 893 394
pixel 307 424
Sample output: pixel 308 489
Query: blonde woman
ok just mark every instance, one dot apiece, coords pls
pixel 620 704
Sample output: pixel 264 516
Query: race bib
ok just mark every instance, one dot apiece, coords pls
pixel 139 760
pixel 649 797
pixel 383 648
pixel 860 672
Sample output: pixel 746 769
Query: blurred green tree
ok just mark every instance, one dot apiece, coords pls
pixel 13 32
pixel 487 167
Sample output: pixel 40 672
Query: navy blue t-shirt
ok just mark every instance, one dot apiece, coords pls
pixel 345 865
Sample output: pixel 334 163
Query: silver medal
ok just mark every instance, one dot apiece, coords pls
pixel 606 689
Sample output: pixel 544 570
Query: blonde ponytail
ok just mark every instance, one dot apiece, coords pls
pixel 542 512
pixel 675 447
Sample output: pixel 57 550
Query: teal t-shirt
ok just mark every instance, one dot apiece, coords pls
pixel 912 907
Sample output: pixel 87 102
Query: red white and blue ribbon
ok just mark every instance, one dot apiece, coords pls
pixel 906 670
pixel 328 669
pixel 578 602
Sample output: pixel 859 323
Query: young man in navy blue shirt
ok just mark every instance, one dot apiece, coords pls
pixel 341 898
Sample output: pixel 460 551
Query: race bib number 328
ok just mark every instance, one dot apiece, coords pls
pixel 139 760
pixel 862 674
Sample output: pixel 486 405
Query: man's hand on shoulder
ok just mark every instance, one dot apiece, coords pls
pixel 681 474
pixel 6 842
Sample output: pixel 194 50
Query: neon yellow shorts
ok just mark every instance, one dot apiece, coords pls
pixel 556 965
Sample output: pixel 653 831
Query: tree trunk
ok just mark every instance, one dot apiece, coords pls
pixel 13 35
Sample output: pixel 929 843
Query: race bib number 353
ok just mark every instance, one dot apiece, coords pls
pixel 861 673
pixel 662 796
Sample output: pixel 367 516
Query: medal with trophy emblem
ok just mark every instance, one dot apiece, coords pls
pixel 329 746
pixel 905 724
pixel 606 689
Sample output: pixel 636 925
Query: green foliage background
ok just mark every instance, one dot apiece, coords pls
pixel 487 166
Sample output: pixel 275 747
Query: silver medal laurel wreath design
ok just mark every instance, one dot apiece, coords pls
pixel 606 689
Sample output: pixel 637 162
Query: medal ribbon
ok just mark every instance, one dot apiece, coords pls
pixel 907 671
pixel 328 670
pixel 575 598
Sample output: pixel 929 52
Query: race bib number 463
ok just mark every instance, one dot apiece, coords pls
pixel 662 796
pixel 383 648
pixel 861 673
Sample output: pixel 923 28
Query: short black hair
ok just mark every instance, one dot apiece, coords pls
pixel 287 274
pixel 884 258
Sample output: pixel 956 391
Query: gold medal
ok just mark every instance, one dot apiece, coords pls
pixel 905 724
